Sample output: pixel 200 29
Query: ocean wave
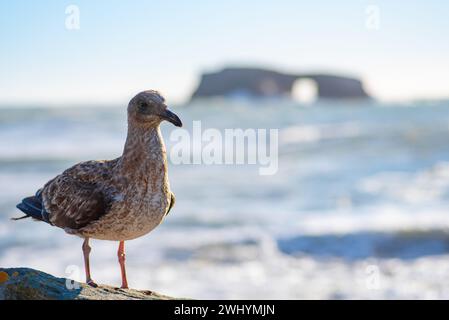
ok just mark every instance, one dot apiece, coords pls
pixel 425 186
pixel 313 133
pixel 357 189
pixel 410 244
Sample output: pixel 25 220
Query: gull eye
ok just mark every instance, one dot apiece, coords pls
pixel 143 107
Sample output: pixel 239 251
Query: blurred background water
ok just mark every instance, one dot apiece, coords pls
pixel 357 208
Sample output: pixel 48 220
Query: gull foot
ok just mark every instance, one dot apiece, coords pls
pixel 120 288
pixel 92 284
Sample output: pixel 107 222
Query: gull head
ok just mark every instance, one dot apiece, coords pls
pixel 149 108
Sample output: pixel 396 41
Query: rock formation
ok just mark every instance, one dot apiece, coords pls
pixel 30 284
pixel 260 83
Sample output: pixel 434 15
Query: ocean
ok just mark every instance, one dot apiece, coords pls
pixel 357 208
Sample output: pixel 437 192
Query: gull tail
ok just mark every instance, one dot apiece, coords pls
pixel 33 208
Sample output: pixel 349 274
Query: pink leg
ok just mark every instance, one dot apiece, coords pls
pixel 121 260
pixel 86 252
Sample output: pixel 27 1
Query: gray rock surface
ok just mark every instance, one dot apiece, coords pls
pixel 30 284
pixel 260 83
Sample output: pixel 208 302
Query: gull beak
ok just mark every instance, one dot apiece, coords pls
pixel 171 117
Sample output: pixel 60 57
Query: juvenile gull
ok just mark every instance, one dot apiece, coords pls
pixel 120 199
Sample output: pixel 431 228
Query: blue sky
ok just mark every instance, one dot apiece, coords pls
pixel 126 46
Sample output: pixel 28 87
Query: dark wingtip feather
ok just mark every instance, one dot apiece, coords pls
pixel 20 218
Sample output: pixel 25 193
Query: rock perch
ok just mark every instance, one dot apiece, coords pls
pixel 30 284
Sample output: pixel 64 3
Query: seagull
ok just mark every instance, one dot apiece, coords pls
pixel 120 199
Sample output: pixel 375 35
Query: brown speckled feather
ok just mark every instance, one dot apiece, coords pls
pixel 79 195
